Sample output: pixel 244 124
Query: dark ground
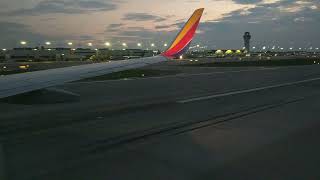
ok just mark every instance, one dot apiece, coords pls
pixel 197 124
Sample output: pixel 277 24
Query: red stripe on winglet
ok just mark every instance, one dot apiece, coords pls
pixel 183 43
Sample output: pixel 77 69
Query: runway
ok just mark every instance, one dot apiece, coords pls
pixel 203 123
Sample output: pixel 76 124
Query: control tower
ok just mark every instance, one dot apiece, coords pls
pixel 246 38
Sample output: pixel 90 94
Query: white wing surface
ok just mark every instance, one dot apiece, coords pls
pixel 11 85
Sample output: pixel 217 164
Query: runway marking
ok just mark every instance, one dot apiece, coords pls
pixel 245 91
pixel 177 75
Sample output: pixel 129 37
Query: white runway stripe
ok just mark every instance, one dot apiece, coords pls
pixel 245 91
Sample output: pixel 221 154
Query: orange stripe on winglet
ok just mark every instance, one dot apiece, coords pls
pixel 193 19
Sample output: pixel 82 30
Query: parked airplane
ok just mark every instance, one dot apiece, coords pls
pixel 16 84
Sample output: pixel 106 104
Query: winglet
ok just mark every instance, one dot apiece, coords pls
pixel 181 43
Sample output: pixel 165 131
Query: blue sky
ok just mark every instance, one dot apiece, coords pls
pixel 284 23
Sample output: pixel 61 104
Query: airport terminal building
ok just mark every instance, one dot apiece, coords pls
pixel 69 54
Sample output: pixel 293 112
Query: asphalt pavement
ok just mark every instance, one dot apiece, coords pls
pixel 203 123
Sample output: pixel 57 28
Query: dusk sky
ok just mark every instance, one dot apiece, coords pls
pixel 285 23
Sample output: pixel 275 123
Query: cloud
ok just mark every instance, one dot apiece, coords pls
pixel 247 1
pixel 270 1
pixel 267 23
pixel 142 17
pixel 163 26
pixel 144 35
pixel 137 28
pixel 167 27
pixel 114 27
pixel 85 37
pixel 64 7
pixel 12 33
pixel 297 6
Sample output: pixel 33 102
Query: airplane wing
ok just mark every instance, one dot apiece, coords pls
pixel 31 81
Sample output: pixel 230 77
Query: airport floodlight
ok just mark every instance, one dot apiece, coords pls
pixel 300 48
pixel 35 49
pixel 124 44
pixel 90 44
pixel 96 49
pixel 70 43
pixel 181 57
pixel 253 47
pixel 291 48
pixel 152 45
pixel 23 42
pixel 73 49
pixel 48 43
pixel 317 48
pixel 263 47
pixel 49 49
pixel 4 49
pixel 165 45
pixel 281 48
pixel 198 45
pixel 139 44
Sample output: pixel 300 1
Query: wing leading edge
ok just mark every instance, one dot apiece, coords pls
pixel 21 83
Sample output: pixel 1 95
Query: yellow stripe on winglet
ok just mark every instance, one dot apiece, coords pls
pixel 193 19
